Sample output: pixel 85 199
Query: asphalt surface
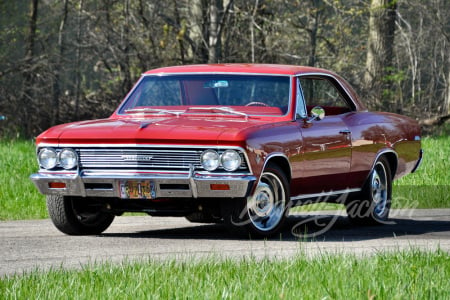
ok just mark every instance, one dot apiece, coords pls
pixel 31 245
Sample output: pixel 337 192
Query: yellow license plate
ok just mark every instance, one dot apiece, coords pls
pixel 137 189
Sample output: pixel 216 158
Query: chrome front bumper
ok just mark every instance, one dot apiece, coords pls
pixel 165 185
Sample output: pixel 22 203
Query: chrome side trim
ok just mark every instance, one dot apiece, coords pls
pixel 325 194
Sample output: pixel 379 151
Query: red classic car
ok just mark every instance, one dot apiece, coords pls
pixel 233 143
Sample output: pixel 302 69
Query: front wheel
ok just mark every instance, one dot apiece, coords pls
pixel 77 215
pixel 263 213
pixel 375 203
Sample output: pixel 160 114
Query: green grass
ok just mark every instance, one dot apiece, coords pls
pixel 400 275
pixel 19 199
pixel 429 187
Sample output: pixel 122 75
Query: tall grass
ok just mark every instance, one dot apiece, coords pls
pixel 400 275
pixel 19 199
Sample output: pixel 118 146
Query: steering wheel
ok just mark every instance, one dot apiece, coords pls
pixel 255 103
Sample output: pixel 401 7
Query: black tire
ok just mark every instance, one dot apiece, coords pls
pixel 262 214
pixel 77 215
pixel 374 203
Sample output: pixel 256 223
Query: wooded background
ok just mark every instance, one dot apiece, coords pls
pixel 67 60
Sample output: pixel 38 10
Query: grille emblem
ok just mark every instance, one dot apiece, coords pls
pixel 137 157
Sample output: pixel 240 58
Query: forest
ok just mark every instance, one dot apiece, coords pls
pixel 68 60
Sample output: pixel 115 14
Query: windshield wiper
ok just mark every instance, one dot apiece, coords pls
pixel 152 110
pixel 221 109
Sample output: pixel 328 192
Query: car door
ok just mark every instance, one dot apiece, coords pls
pixel 326 144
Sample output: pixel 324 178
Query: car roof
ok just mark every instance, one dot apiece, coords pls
pixel 240 68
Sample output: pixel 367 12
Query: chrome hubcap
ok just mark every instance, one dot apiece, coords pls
pixel 266 206
pixel 379 189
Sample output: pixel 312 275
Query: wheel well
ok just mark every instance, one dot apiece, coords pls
pixel 393 163
pixel 283 163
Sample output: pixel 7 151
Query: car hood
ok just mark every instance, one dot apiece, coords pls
pixel 154 131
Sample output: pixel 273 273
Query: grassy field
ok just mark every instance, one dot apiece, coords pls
pixel 19 199
pixel 428 188
pixel 400 275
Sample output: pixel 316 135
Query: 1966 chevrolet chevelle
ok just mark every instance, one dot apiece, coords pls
pixel 233 143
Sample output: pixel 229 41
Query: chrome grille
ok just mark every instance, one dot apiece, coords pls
pixel 139 158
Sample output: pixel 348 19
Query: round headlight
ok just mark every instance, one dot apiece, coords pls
pixel 230 160
pixel 47 158
pixel 210 160
pixel 68 159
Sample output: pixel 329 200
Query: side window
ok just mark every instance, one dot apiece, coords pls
pixel 322 92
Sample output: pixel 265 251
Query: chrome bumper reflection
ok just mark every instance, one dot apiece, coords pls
pixel 167 185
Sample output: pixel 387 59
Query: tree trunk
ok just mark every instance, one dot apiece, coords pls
pixel 180 35
pixel 125 49
pixel 196 25
pixel 447 95
pixel 252 29
pixel 380 48
pixel 78 62
pixel 28 76
pixel 58 64
pixel 313 28
pixel 213 31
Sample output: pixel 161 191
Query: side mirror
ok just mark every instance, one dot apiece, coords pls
pixel 317 113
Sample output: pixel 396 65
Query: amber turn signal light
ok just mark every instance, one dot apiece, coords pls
pixel 57 185
pixel 220 187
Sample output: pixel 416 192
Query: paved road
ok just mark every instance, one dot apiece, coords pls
pixel 26 245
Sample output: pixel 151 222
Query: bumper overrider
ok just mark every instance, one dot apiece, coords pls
pixel 190 184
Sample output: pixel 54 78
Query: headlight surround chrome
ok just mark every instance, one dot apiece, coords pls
pixel 68 158
pixel 230 160
pixel 210 160
pixel 48 158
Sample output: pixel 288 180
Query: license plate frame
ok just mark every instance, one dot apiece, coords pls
pixel 137 189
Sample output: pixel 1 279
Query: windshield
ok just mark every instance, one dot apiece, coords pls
pixel 212 93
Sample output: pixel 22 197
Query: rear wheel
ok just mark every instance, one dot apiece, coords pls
pixel 376 196
pixel 263 213
pixel 77 215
